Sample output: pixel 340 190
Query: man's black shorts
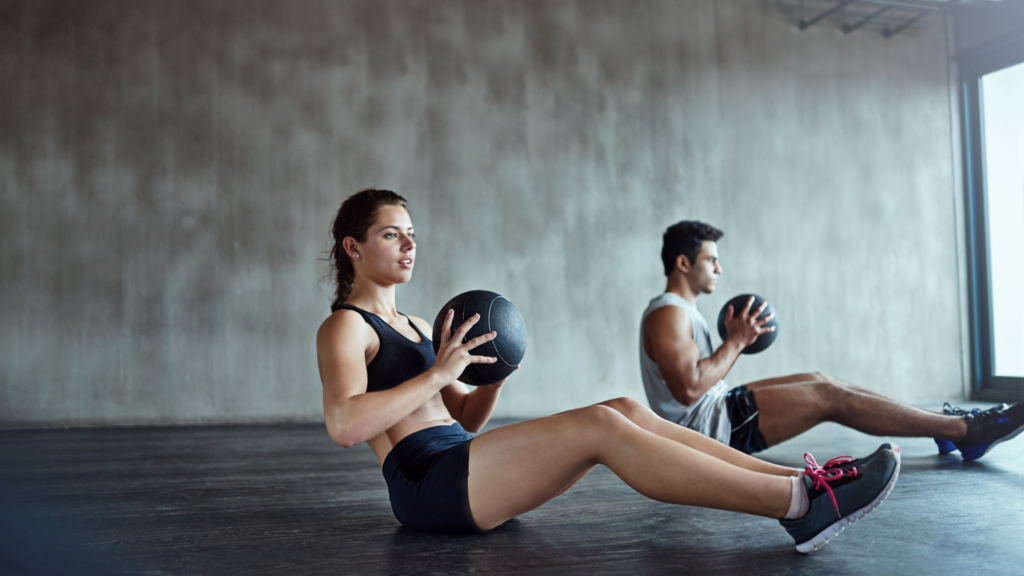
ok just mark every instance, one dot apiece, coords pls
pixel 742 409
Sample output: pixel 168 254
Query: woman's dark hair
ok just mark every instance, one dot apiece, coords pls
pixel 686 238
pixel 356 215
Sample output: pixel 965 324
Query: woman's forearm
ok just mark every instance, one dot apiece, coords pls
pixel 478 407
pixel 364 416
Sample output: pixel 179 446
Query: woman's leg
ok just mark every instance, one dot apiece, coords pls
pixel 645 418
pixel 516 468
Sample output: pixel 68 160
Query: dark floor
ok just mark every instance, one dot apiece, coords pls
pixel 285 500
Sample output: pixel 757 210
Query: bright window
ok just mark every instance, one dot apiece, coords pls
pixel 1002 106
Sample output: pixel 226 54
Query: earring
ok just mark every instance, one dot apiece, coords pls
pixel 357 255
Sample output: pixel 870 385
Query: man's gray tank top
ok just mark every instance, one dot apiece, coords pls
pixel 708 414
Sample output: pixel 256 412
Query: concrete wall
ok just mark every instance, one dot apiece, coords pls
pixel 168 171
pixel 979 24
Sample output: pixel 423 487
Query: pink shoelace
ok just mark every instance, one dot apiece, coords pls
pixel 822 475
pixel 835 462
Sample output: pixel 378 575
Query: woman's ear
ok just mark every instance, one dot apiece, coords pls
pixel 351 247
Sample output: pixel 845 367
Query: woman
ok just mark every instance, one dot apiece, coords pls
pixel 384 386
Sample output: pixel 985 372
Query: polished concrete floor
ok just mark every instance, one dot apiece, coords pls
pixel 285 500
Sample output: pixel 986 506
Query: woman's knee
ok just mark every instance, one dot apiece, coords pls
pixel 628 407
pixel 601 419
pixel 597 428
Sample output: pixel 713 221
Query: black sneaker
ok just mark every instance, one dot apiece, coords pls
pixel 987 429
pixel 945 446
pixel 849 462
pixel 840 497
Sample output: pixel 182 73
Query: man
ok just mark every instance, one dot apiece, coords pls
pixel 683 375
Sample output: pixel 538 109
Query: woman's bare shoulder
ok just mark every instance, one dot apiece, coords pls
pixel 343 325
pixel 342 344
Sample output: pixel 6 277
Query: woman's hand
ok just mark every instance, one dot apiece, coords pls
pixel 453 355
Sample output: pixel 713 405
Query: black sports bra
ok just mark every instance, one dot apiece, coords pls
pixel 398 359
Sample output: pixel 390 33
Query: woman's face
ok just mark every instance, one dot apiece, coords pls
pixel 388 254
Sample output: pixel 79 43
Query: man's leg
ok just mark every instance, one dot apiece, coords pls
pixel 794 404
pixel 817 377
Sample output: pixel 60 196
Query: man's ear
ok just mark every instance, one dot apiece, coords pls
pixel 682 263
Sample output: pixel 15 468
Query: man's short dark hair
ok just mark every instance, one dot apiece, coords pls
pixel 686 238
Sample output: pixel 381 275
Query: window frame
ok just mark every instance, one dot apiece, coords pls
pixel 985 385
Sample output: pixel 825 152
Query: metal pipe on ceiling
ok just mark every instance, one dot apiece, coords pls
pixel 924 8
pixel 847 28
pixel 805 24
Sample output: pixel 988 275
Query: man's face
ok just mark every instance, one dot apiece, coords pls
pixel 703 274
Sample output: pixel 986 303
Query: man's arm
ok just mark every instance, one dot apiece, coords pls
pixel 668 340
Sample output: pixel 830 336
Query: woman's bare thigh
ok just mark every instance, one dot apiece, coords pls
pixel 516 468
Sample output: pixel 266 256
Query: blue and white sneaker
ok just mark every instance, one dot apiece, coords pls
pixel 987 429
pixel 945 446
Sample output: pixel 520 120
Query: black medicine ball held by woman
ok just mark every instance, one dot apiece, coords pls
pixel 497 314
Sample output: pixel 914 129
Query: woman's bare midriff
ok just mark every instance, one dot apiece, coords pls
pixel 433 413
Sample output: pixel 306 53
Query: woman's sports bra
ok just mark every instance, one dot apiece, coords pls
pixel 398 359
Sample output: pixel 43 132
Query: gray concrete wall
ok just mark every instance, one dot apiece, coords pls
pixel 979 24
pixel 168 171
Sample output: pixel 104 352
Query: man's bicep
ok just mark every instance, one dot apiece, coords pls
pixel 674 350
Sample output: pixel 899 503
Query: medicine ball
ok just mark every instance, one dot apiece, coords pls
pixel 764 340
pixel 496 314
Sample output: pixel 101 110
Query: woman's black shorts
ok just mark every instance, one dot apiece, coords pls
pixel 428 480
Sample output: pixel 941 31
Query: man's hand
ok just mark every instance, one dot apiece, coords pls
pixel 745 326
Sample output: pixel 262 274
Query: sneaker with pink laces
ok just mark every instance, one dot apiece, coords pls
pixel 847 462
pixel 840 493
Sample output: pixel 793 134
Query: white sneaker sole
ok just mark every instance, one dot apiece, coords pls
pixel 822 538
